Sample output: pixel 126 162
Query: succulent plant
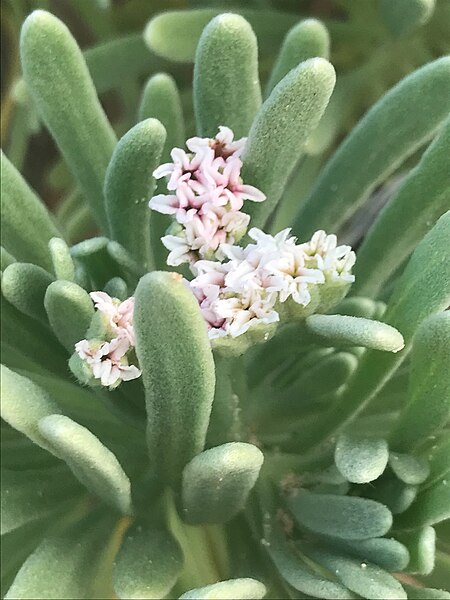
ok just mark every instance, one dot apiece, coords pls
pixel 256 414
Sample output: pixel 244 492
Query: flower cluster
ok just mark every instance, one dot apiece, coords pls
pixel 206 194
pixel 109 359
pixel 249 286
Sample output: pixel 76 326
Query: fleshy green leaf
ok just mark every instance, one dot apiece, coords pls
pixel 423 289
pixel 69 310
pixel 64 565
pixel 30 338
pixel 422 198
pixel 26 225
pixel 116 288
pixel 217 482
pixel 357 306
pixel 393 493
pixel 34 494
pixel 409 469
pixel 421 544
pixel 129 184
pixel 388 554
pixel 361 460
pixel 6 258
pixel 63 266
pixel 161 100
pixel 92 463
pixel 175 34
pixel 315 379
pixel 428 406
pixel 226 84
pixel 148 564
pixel 403 16
pixel 308 39
pixel 381 141
pixel 356 331
pixel 295 105
pixel 59 81
pixel 439 459
pixel 23 404
pixel 245 588
pixel 175 356
pixel 365 579
pixel 299 574
pixel 420 593
pixel 24 286
pixel 430 507
pixel 94 256
pixel 344 517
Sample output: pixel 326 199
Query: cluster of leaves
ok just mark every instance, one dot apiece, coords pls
pixel 327 454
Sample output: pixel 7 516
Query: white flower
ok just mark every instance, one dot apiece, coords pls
pixel 107 360
pixel 244 289
pixel 336 262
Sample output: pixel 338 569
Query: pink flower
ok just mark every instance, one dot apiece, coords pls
pixel 107 360
pixel 119 314
pixel 206 196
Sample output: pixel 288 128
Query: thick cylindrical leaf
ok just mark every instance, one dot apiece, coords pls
pixel 226 84
pixel 24 286
pixel 307 39
pixel 117 288
pixel 387 553
pixel 381 141
pixel 59 81
pixel 6 258
pixel 69 310
pixel 423 289
pixel 409 469
pixel 403 16
pixel 362 578
pixel 314 380
pixel 439 458
pixel 91 462
pixel 175 34
pixel 393 493
pixel 421 544
pixel 31 339
pixel 148 564
pixel 295 105
pixel 430 507
pixel 299 574
pixel 246 588
pixel 421 593
pixel 94 256
pixel 217 482
pixel 428 406
pixel 65 564
pixel 361 460
pixel 63 266
pixel 26 225
pixel 129 183
pixel 422 198
pixel 24 404
pixel 161 100
pixel 344 517
pixel 34 494
pixel 175 356
pixel 356 331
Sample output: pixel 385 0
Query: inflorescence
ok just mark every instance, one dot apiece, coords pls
pixel 236 286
